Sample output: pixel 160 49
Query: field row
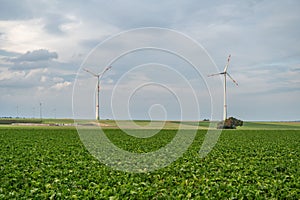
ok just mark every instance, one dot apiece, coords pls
pixel 53 163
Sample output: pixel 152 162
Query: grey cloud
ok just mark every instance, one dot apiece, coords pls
pixel 30 9
pixel 33 78
pixel 133 14
pixel 90 43
pixel 36 55
pixel 25 9
pixel 36 59
pixel 295 70
pixel 12 10
pixel 52 24
pixel 54 21
pixel 8 53
pixel 20 79
pixel 51 64
pixel 30 65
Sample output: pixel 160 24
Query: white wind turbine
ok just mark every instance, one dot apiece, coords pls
pixel 98 76
pixel 225 73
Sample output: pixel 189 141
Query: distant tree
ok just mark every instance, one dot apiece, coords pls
pixel 230 123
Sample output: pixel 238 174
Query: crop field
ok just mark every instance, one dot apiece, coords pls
pixel 51 162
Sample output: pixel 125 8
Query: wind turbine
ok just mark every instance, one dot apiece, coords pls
pixel 225 73
pixel 98 76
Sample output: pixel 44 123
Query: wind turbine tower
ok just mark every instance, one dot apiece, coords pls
pixel 99 77
pixel 225 73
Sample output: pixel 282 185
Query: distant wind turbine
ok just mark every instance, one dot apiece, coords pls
pixel 225 73
pixel 98 76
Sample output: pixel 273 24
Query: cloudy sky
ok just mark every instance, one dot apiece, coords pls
pixel 44 44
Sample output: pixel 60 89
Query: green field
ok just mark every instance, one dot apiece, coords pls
pixel 146 124
pixel 51 162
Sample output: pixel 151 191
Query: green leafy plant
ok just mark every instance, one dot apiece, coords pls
pixel 52 163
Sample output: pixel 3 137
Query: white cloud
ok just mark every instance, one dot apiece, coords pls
pixel 57 79
pixel 8 75
pixel 43 79
pixel 22 35
pixel 61 86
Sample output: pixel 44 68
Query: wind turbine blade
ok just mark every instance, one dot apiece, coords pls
pixel 228 60
pixel 106 69
pixel 109 67
pixel 232 79
pixel 215 74
pixel 88 71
